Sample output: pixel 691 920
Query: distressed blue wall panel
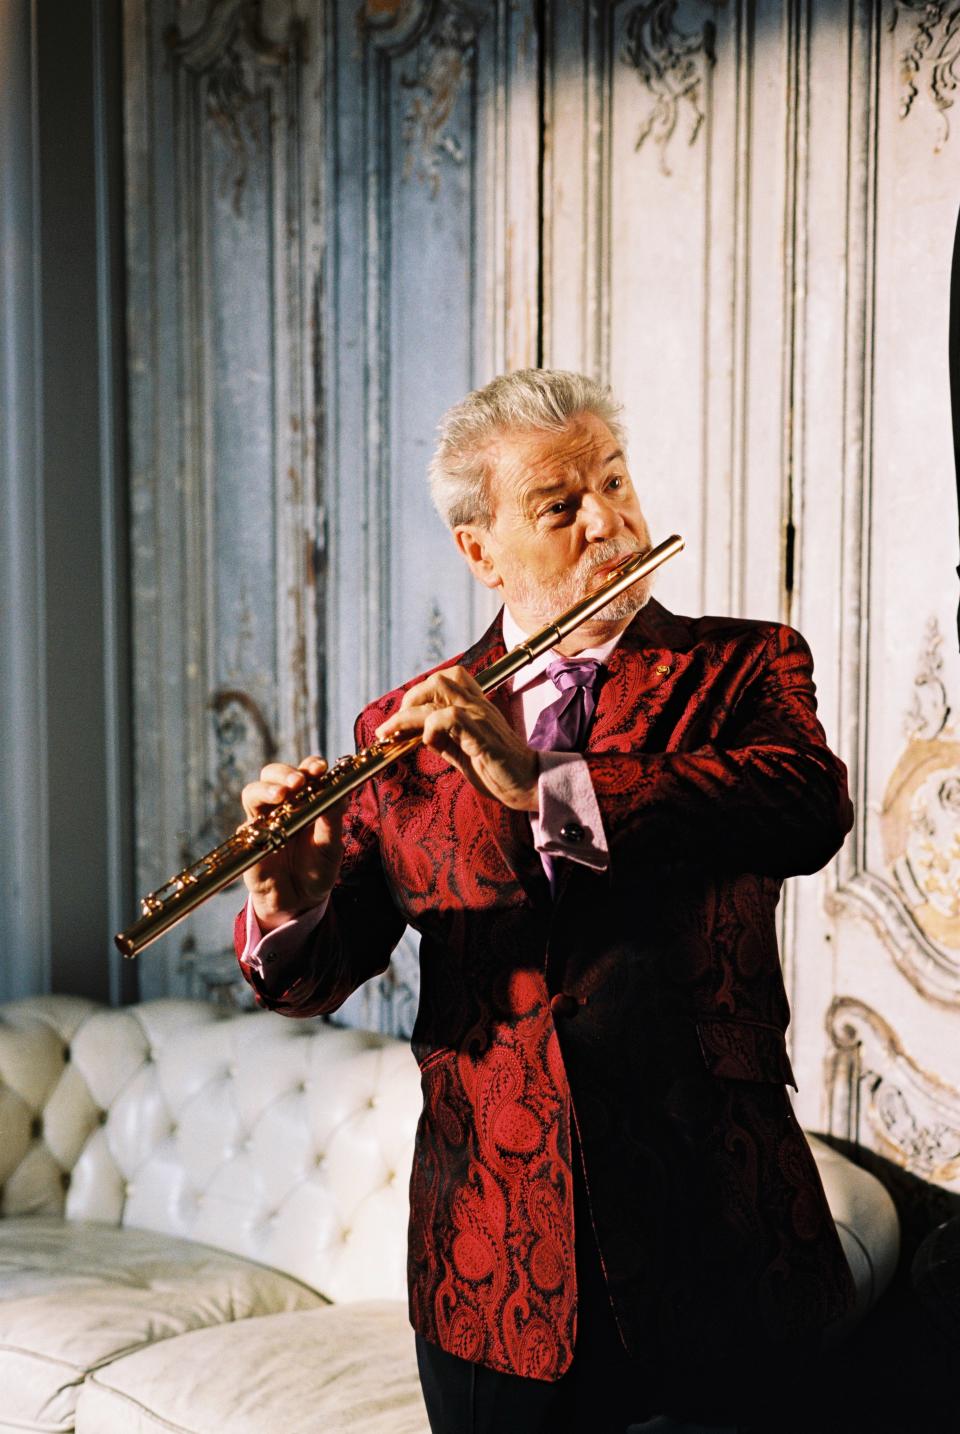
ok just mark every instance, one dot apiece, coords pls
pixel 417 267
pixel 323 232
pixel 224 263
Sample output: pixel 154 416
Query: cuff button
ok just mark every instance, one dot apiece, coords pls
pixel 573 833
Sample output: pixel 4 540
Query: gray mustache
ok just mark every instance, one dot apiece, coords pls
pixel 606 552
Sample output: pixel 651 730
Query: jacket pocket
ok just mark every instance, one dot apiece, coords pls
pixel 745 1050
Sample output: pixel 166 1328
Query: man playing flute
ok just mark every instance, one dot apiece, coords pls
pixel 613 1211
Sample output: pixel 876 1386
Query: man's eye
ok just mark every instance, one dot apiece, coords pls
pixel 556 508
pixel 616 483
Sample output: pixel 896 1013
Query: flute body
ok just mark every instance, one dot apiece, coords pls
pixel 189 888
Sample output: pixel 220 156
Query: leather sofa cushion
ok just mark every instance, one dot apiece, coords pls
pixel 342 1367
pixel 867 1223
pixel 75 1296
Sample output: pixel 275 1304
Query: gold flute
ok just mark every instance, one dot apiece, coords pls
pixel 250 843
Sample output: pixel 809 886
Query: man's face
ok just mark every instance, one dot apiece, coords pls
pixel 564 513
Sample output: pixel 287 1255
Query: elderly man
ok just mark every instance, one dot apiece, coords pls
pixel 613 1210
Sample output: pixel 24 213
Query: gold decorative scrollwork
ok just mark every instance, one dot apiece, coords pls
pixel 920 815
pixel 913 899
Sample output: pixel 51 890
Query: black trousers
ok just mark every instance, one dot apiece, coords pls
pixel 601 1393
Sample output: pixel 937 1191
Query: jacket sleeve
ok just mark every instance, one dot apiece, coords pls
pixel 768 797
pixel 356 936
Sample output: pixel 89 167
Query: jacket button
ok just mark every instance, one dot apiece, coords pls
pixel 563 1004
pixel 572 832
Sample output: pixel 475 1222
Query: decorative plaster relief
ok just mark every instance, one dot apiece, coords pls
pixel 912 1116
pixel 392 25
pixel 915 903
pixel 445 36
pixel 920 816
pixel 671 63
pixel 931 58
pixel 243 744
pixel 442 64
pixel 229 50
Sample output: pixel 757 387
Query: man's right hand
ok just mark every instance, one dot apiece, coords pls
pixel 302 873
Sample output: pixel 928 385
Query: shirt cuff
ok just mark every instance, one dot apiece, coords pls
pixel 269 948
pixel 568 822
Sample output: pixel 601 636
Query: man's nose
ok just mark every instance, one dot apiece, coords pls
pixel 601 517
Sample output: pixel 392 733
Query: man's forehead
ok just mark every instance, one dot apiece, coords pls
pixel 524 459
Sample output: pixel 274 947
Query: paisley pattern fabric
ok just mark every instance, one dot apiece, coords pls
pixel 664 1041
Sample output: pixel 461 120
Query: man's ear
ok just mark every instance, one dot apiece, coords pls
pixel 473 542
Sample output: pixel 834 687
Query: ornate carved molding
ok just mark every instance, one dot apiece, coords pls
pixel 930 709
pixel 671 63
pixel 393 25
pixel 442 64
pixel 914 905
pixel 230 51
pixel 243 743
pixel 877 1089
pixel 931 59
pixel 445 37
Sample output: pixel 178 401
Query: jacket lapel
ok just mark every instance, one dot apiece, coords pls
pixel 643 669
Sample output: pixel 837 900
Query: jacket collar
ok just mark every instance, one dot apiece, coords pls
pixel 653 627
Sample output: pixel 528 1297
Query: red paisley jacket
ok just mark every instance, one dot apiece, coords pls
pixel 644 1003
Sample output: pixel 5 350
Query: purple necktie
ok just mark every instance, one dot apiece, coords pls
pixel 563 726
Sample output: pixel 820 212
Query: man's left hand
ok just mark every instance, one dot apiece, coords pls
pixel 449 712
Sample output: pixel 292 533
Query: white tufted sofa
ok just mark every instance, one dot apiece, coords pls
pixel 183 1196
pixel 205 1218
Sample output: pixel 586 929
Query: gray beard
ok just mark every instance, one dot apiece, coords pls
pixel 547 603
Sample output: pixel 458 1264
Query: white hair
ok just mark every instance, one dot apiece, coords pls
pixel 530 399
